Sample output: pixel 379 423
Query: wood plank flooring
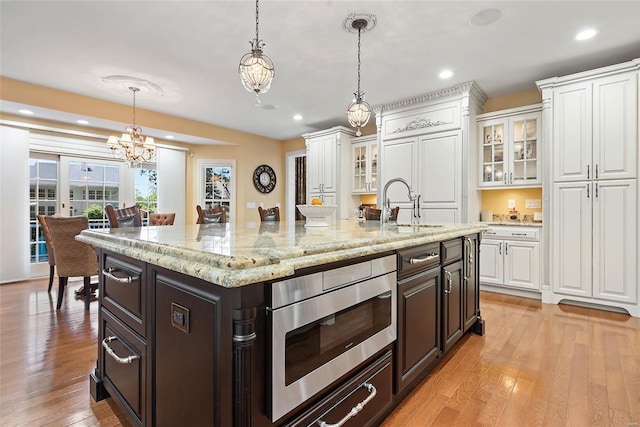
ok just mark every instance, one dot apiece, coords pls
pixel 537 365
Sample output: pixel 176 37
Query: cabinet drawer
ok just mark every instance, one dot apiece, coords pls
pixel 451 251
pixel 512 233
pixel 374 386
pixel 124 357
pixel 419 258
pixel 123 291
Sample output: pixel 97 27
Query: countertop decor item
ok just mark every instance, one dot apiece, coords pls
pixel 317 214
pixel 256 69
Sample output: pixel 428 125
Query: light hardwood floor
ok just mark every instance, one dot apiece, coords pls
pixel 537 365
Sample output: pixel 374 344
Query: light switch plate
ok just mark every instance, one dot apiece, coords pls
pixel 533 203
pixel 511 203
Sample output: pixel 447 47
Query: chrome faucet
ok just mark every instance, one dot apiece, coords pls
pixel 385 214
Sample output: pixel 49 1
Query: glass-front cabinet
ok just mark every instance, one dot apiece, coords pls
pixel 364 152
pixel 510 147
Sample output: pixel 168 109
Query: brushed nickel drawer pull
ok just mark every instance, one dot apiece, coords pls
pixel 449 282
pixel 429 257
pixel 110 352
pixel 108 272
pixel 354 411
pixel 518 234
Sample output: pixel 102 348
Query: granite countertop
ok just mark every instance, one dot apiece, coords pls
pixel 233 255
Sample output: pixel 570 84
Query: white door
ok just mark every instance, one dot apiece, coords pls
pixel 615 257
pixel 572 132
pixel 399 160
pixel 571 248
pixel 439 174
pixel 615 120
pixel 522 264
pixel 491 262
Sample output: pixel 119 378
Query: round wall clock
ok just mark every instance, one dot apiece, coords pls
pixel 264 179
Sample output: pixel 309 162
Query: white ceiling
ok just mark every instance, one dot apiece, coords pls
pixel 192 49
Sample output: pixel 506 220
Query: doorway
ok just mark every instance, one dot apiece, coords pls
pixel 296 183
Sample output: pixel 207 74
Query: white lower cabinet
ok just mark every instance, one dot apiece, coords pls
pixel 594 239
pixel 510 257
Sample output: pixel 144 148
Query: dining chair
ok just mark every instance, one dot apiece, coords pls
pixel 124 217
pixel 270 214
pixel 211 216
pixel 161 218
pixel 73 258
pixel 374 214
pixel 50 252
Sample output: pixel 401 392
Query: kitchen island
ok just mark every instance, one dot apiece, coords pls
pixel 186 315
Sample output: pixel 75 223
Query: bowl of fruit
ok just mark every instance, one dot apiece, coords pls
pixel 317 213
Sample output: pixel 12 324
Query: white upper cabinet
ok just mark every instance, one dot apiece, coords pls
pixel 510 147
pixel 364 160
pixel 594 129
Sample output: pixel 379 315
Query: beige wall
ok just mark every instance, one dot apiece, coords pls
pixel 512 100
pixel 249 152
pixel 497 200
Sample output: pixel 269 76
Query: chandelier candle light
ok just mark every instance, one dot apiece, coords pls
pixel 132 147
pixel 256 69
pixel 359 110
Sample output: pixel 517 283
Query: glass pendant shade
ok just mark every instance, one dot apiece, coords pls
pixel 358 114
pixel 256 71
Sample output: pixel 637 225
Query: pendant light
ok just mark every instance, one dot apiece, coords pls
pixel 359 110
pixel 132 147
pixel 256 69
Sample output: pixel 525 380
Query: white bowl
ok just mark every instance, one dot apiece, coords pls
pixel 316 214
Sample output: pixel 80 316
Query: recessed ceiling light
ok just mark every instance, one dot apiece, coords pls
pixel 297 117
pixel 445 74
pixel 27 112
pixel 82 122
pixel 586 34
pixel 485 17
pixel 169 136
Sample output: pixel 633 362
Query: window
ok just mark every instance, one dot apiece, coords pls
pixel 147 190
pixel 43 188
pixel 217 185
pixel 88 182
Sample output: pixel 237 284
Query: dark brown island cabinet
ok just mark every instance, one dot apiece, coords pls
pixel 178 350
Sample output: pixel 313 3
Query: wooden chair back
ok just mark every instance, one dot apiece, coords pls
pixel 211 216
pixel 270 214
pixel 124 217
pixel 49 245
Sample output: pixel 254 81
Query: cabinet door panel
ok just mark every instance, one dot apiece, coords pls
pixel 418 325
pixel 438 215
pixel 452 310
pixel 615 256
pixel 571 258
pixel 491 264
pixel 439 171
pixel 615 117
pixel 471 291
pixel 329 163
pixel 399 162
pixel 522 264
pixel 572 132
pixel 314 165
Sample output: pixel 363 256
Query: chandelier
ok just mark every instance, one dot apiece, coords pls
pixel 132 147
pixel 359 110
pixel 256 69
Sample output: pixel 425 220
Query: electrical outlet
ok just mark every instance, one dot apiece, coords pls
pixel 511 203
pixel 533 203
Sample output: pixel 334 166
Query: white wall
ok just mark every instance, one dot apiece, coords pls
pixel 14 204
pixel 171 168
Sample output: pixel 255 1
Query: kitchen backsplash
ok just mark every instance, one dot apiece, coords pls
pixel 497 201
